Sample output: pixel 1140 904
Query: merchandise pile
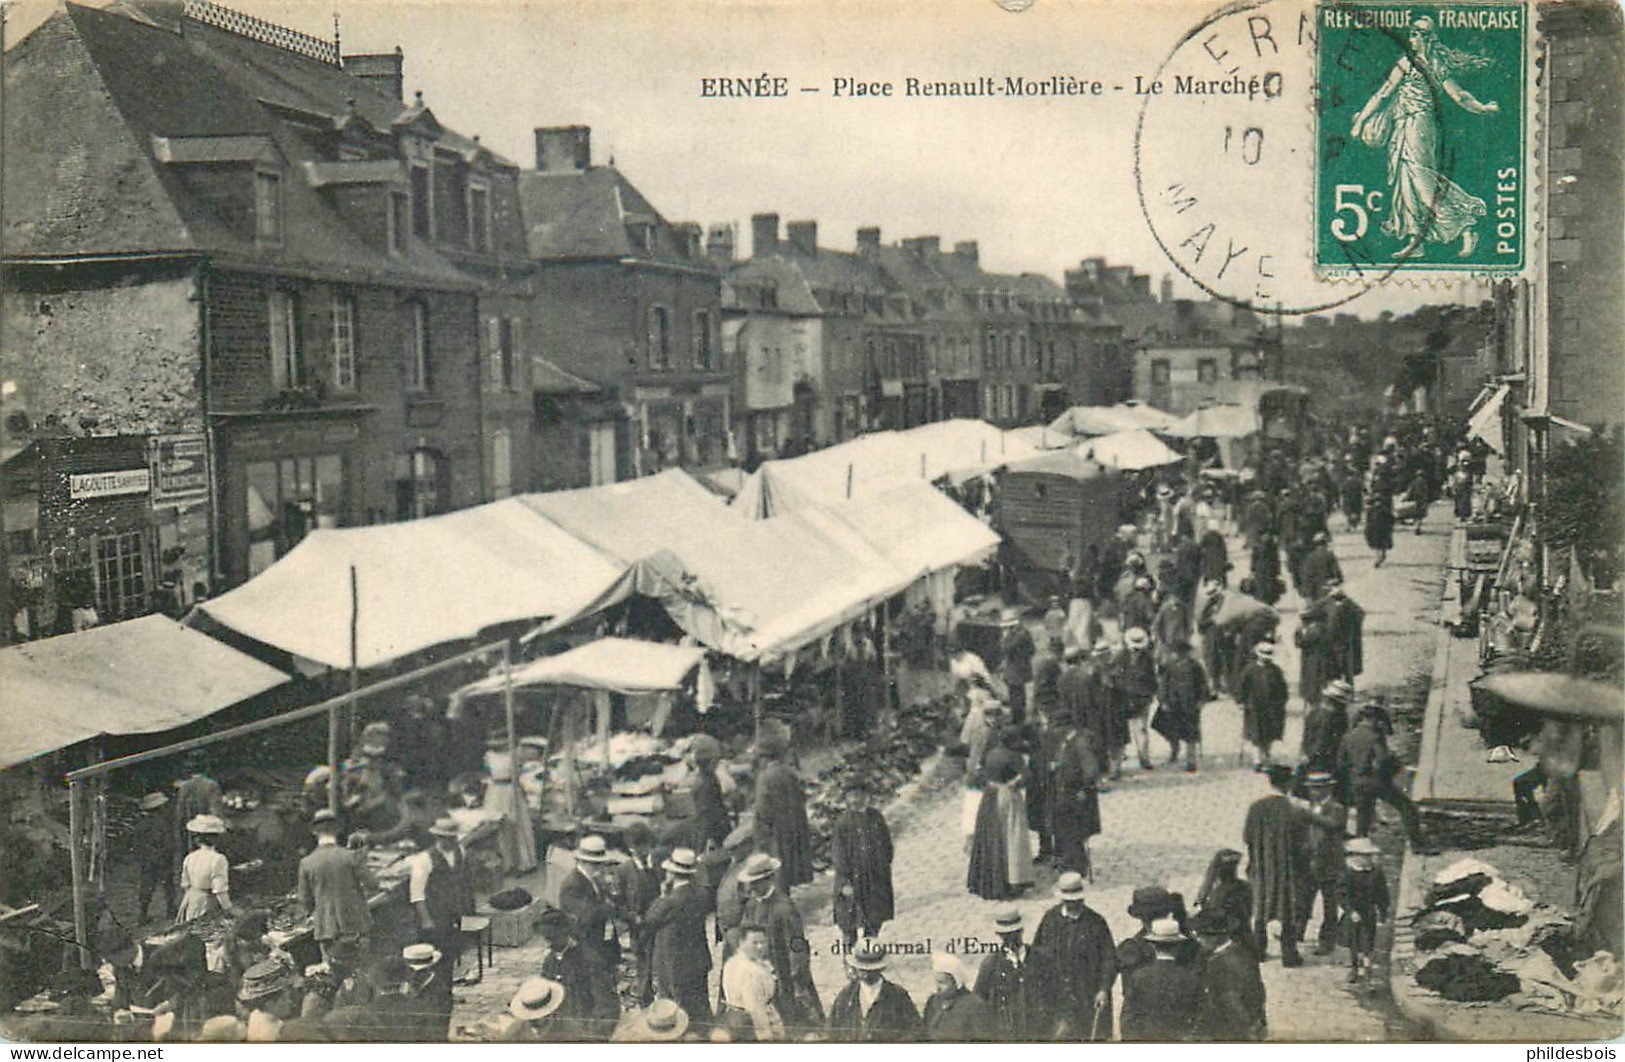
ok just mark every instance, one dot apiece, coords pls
pixel 1480 939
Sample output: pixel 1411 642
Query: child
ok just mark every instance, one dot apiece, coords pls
pixel 1365 902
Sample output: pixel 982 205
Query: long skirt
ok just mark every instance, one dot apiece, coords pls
pixel 516 837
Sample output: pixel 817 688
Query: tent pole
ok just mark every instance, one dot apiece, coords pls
pixel 838 717
pixel 76 862
pixel 756 696
pixel 885 657
pixel 507 708
pixel 848 482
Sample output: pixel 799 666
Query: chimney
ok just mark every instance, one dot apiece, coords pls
pixel 968 251
pixel 382 71
pixel 868 240
pixel 1092 268
pixel 803 236
pixel 563 149
pixel 924 246
pixel 764 234
pixel 690 234
pixel 719 245
pixel 1167 288
pixel 1140 284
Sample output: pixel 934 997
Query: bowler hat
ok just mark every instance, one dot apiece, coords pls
pixel 325 821
pixel 1151 901
pixel 1213 922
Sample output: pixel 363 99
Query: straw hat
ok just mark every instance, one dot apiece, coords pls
pixel 760 865
pixel 420 956
pixel 1361 846
pixel 444 827
pixel 661 1021
pixel 681 861
pixel 1008 920
pixel 1165 931
pixel 264 979
pixel 206 824
pixel 153 801
pixel 1265 649
pixel 1069 886
pixel 869 955
pixel 1338 690
pixel 592 849
pixel 537 997
pixel 950 965
pixel 1135 638
pixel 324 821
pixel 1318 778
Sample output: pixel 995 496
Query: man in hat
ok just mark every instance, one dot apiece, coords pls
pixel 1170 625
pixel 1277 845
pixel 712 818
pixel 768 906
pixel 1231 1008
pixel 871 1009
pixel 955 1014
pixel 1262 693
pixel 1160 997
pixel 532 1011
pixel 1324 726
pixel 1075 766
pixel 680 954
pixel 637 885
pixel 1021 983
pixel 1112 559
pixel 591 1007
pixel 422 1001
pixel 1139 608
pixel 661 1022
pixel 1148 904
pixel 1134 679
pixel 1081 942
pixel 1313 641
pixel 155 855
pixel 1320 568
pixel 1345 637
pixel 333 887
pixel 1365 896
pixel 861 858
pixel 751 989
pixel 269 992
pixel 1328 823
pixel 1016 670
pixel 584 895
pixel 441 890
pixel 1183 689
pixel 1370 767
pixel 781 811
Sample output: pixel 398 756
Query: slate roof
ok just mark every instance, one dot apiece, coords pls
pixel 592 213
pixel 95 98
pixel 915 275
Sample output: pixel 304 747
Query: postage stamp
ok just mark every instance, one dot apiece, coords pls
pixel 1421 138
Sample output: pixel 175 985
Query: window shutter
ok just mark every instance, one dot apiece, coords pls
pixel 493 349
pixel 516 367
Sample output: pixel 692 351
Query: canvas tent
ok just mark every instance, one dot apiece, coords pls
pixel 616 665
pixel 1129 451
pixel 142 676
pixel 420 584
pixel 1107 420
pixel 1215 422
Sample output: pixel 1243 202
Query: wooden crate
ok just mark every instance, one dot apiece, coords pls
pixel 510 929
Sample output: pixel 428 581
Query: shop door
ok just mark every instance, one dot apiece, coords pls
pixel 601 453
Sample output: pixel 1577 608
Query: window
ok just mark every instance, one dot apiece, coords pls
pixel 267 206
pixel 121 576
pixel 502 345
pixel 422 205
pixel 659 338
pixel 1207 370
pixel 286 500
pixel 501 464
pixel 418 363
pixel 1159 371
pixel 479 218
pixel 287 360
pixel 400 222
pixel 1022 347
pixel 704 352
pixel 422 490
pixel 343 343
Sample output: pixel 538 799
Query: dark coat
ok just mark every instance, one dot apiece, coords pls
pixel 1073 814
pixel 1018 649
pixel 1277 859
pixel 1086 697
pixel 636 888
pixel 1379 519
pixel 591 1007
pixel 892 1020
pixel 1160 1000
pixel 1323 730
pixel 781 823
pixel 1023 999
pixel 861 856
pixel 423 1006
pixel 1235 899
pixel 1319 569
pixel 1138 611
pixel 1171 625
pixel 1215 556
pixel 1232 1003
pixel 333 891
pixel 1364 757
pixel 711 818
pixel 676 923
pixel 1328 822
pixel 1266 570
pixel 960 1016
pixel 1087 960
pixel 1261 689
pixel 1314 663
pixel 1184 689
pixel 1345 638
pixel 593 914
pixel 988 872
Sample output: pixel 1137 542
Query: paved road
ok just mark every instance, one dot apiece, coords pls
pixel 1162 827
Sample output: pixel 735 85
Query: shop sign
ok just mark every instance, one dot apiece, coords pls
pixel 86 485
pixel 180 468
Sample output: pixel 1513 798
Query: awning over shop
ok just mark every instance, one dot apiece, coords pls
pixel 619 665
pixel 955 449
pixel 1485 423
pixel 1215 422
pixel 421 584
pixel 915 526
pixel 141 676
pixel 1106 420
pixel 1129 451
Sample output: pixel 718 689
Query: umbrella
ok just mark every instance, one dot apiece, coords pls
pixel 1554 693
pixel 1130 451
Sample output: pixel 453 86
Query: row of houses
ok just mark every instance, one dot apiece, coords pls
pixel 252 288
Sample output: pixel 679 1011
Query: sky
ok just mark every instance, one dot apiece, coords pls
pixel 1039 183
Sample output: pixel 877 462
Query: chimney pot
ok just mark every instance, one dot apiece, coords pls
pixel 869 239
pixel 719 245
pixel 969 251
pixel 764 234
pixel 563 149
pixel 803 236
pixel 382 71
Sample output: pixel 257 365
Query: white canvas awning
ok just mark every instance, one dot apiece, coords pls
pixel 1129 451
pixel 618 665
pixel 1486 422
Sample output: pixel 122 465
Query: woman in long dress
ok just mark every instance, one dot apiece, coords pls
pixel 1001 855
pixel 205 872
pixel 1424 205
pixel 516 836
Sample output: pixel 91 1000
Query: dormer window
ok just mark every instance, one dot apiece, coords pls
pixel 479 217
pixel 267 206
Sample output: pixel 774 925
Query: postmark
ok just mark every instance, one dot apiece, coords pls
pixel 1421 138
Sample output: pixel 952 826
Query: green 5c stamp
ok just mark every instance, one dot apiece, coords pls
pixel 1421 123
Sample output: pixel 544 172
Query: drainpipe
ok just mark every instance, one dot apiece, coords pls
pixel 216 564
